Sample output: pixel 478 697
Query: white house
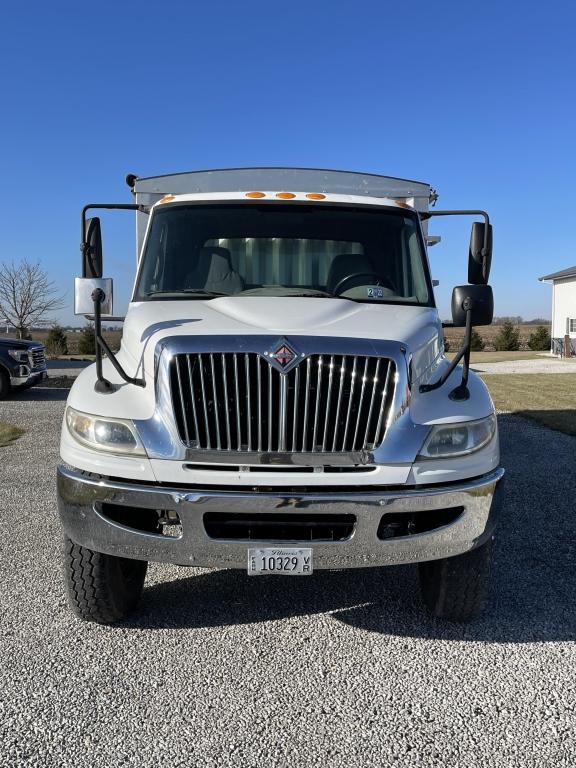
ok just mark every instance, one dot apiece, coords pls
pixel 563 307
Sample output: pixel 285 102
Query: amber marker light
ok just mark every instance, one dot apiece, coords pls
pixel 315 196
pixel 167 198
pixel 255 194
pixel 285 195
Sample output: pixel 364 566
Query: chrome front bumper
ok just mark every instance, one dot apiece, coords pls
pixel 31 378
pixel 81 495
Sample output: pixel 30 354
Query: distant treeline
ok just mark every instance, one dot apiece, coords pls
pixel 519 320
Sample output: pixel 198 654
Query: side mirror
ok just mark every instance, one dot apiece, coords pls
pixel 480 254
pixel 83 289
pixel 92 249
pixel 478 298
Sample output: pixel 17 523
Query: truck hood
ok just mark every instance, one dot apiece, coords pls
pixel 147 323
pixel 18 344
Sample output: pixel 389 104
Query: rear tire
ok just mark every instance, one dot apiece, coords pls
pixel 102 588
pixel 4 384
pixel 456 588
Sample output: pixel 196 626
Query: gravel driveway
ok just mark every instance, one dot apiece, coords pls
pixel 342 669
pixel 540 365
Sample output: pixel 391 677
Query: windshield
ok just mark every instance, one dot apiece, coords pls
pixel 206 251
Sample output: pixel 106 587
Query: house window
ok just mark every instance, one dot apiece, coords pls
pixel 571 325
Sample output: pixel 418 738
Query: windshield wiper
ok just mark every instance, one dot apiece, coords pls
pixel 280 292
pixel 200 293
pixel 314 295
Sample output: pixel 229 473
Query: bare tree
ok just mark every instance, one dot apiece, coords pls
pixel 27 295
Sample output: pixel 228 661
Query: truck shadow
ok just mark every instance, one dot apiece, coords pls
pixel 41 394
pixel 534 579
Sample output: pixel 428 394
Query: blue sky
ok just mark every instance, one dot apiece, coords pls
pixel 477 99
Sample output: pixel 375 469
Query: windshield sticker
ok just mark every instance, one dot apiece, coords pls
pixel 375 292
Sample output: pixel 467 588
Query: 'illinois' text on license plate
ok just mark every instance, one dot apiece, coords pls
pixel 290 562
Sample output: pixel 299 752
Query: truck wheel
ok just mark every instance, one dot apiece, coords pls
pixel 455 588
pixel 4 384
pixel 102 588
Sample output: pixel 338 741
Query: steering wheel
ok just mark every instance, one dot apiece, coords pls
pixel 379 281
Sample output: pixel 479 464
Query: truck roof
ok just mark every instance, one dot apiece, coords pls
pixel 302 179
pixel 227 183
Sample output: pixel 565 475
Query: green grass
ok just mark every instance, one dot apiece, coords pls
pixel 500 357
pixel 8 433
pixel 547 398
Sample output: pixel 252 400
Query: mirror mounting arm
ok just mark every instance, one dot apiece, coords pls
pixel 461 392
pixel 107 206
pixel 485 248
pixel 103 386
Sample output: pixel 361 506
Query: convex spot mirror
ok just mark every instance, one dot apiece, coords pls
pixel 92 249
pixel 479 298
pixel 480 254
pixel 84 287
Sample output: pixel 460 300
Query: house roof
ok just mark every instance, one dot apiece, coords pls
pixel 570 272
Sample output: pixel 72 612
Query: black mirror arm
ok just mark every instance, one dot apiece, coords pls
pixel 107 206
pixel 429 214
pixel 103 386
pixel 460 392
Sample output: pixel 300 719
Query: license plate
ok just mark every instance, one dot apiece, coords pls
pixel 287 562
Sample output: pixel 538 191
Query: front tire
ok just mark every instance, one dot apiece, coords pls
pixel 455 588
pixel 102 588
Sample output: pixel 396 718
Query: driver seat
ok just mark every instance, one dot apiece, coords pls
pixel 214 271
pixel 347 264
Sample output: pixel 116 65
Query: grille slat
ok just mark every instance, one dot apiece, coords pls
pixel 192 398
pixel 295 409
pixel 340 390
pixel 204 402
pixel 38 357
pixel 226 399
pixel 270 408
pixel 372 398
pixel 237 390
pixel 361 403
pixel 259 395
pixel 350 401
pixel 327 418
pixel 216 407
pixel 182 400
pixel 317 406
pixel 248 404
pixel 383 404
pixel 233 401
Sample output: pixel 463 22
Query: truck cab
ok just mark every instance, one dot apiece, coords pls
pixel 281 401
pixel 22 364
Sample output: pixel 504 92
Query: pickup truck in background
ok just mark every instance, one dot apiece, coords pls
pixel 281 401
pixel 22 364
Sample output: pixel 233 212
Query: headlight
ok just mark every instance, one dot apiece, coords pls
pixel 458 439
pixel 21 355
pixel 103 434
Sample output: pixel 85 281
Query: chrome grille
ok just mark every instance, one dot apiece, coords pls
pixel 232 401
pixel 37 357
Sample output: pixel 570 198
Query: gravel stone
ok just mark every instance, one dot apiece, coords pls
pixel 341 669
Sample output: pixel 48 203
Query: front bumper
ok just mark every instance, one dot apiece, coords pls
pixel 81 496
pixel 29 378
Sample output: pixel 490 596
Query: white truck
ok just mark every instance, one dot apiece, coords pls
pixel 281 401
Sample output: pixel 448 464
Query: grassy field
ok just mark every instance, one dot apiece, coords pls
pixel 549 399
pixel 455 336
pixel 8 433
pixel 500 357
